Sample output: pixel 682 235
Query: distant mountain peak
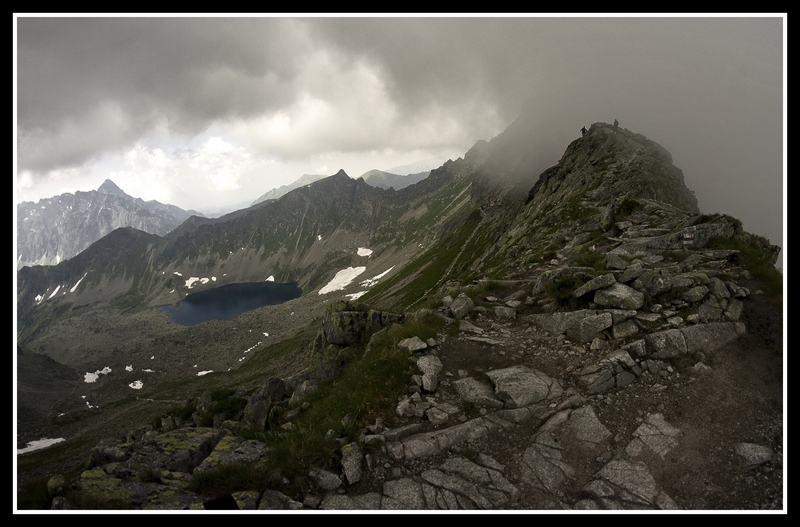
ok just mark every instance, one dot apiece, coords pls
pixel 305 179
pixel 63 226
pixel 383 179
pixel 109 187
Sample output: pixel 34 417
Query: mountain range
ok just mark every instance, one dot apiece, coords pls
pixel 58 228
pixel 385 180
pixel 609 236
pixel 55 229
pixel 305 179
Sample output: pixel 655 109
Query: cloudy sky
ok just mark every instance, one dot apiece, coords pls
pixel 204 112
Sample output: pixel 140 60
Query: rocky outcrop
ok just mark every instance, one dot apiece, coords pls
pixel 344 325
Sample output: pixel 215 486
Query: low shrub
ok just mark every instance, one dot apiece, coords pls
pixel 561 291
pixel 337 411
pixel 626 206
pixel 34 495
pixel 591 259
pixel 756 256
pixel 229 478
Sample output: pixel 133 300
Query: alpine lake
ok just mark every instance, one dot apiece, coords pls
pixel 229 301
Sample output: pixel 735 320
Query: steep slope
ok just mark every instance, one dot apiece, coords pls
pixel 601 176
pixel 55 229
pixel 305 179
pixel 605 253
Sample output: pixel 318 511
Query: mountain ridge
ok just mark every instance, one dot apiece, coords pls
pixel 609 238
pixel 382 179
pixel 58 228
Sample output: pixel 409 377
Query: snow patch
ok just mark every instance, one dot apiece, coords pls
pixel 342 279
pixel 136 385
pixel 363 251
pixel 374 280
pixel 38 445
pixel 270 278
pixel 356 296
pixel 191 281
pixel 201 373
pixel 92 377
pixel 74 287
pixel 129 368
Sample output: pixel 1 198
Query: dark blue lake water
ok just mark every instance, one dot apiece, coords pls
pixel 229 301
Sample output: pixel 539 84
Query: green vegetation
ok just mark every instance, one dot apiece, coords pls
pixel 576 210
pixel 490 286
pixel 367 390
pixel 34 495
pixel 626 207
pixel 424 273
pixel 224 403
pixel 561 291
pixel 425 329
pixel 587 258
pixel 110 500
pixel 756 257
pixel 677 256
pixel 229 478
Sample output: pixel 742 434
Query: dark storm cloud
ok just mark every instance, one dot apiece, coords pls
pixel 187 71
pixel 708 89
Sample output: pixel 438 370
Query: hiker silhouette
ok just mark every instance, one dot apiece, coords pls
pixel 583 131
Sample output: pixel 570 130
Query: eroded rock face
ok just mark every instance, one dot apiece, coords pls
pixel 344 325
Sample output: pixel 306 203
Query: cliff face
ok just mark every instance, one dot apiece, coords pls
pixel 56 229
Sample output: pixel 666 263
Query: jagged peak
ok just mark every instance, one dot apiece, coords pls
pixel 109 187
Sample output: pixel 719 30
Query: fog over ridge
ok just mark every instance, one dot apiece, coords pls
pixel 201 111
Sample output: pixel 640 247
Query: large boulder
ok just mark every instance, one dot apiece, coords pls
pixel 520 386
pixel 461 306
pixel 619 296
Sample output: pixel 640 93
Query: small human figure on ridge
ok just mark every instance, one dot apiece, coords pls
pixel 616 124
pixel 583 131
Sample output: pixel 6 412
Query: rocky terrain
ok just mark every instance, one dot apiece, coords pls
pixel 600 344
pixel 519 410
pixel 55 229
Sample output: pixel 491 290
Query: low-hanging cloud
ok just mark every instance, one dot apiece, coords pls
pixel 306 89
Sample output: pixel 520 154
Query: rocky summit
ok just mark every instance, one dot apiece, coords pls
pixel 58 228
pixel 594 344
